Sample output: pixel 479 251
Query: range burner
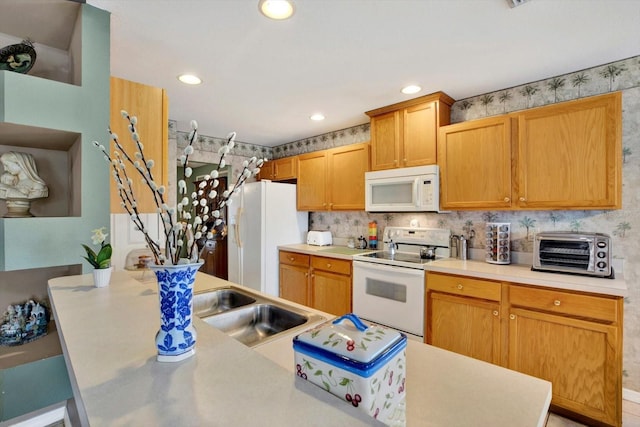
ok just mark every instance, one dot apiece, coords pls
pixel 409 242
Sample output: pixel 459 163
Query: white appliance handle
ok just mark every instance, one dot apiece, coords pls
pixel 236 227
pixel 387 267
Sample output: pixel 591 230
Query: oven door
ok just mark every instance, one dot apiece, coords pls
pixel 390 295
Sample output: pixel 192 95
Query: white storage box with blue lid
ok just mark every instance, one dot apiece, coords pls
pixel 362 363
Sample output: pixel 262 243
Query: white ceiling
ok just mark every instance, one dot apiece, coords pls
pixel 264 78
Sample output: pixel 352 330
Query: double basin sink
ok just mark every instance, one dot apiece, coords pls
pixel 249 318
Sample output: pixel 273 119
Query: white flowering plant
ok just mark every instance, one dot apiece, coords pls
pixel 196 215
pixel 102 259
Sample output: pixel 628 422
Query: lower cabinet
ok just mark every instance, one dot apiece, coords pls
pixel 331 285
pixel 463 316
pixel 323 283
pixel 294 277
pixel 572 339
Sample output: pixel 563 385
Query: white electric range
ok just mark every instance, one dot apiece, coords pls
pixel 388 288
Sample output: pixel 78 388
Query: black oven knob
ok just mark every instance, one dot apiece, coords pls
pixel 602 254
pixel 602 244
pixel 602 264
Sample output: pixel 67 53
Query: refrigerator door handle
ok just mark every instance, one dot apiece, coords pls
pixel 237 227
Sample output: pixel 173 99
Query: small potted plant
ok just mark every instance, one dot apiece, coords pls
pixel 100 261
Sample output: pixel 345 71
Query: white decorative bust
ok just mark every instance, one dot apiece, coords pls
pixel 20 183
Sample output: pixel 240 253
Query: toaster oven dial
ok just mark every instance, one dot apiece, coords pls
pixel 602 264
pixel 602 254
pixel 602 244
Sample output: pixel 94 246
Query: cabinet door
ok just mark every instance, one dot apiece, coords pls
pixel 466 326
pixel 267 171
pixel 331 292
pixel 347 166
pixel 579 145
pixel 385 140
pixel 150 105
pixel 420 132
pixel 294 283
pixel 312 182
pixel 475 164
pixel 286 168
pixel 579 357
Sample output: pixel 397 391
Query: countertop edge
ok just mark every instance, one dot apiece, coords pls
pixel 514 273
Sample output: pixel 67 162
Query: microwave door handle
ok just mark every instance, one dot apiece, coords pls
pixel 416 192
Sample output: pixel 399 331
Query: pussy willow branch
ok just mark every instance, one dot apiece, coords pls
pixel 186 227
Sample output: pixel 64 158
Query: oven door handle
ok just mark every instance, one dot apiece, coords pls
pixel 387 267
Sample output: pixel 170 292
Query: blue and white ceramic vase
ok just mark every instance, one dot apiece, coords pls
pixel 176 338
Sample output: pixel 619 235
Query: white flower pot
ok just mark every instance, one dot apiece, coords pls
pixel 102 276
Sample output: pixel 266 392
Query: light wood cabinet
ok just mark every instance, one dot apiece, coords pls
pixel 150 105
pixel 577 145
pixel 331 285
pixel 405 134
pixel 323 283
pixel 473 149
pixel 332 179
pixel 283 169
pixel 574 341
pixel 463 316
pixel 294 277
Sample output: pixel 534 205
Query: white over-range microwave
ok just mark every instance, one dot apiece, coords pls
pixel 414 189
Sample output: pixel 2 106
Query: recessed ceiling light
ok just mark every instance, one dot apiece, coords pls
pixel 189 79
pixel 411 89
pixel 276 9
pixel 317 117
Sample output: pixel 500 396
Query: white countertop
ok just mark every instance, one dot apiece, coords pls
pixel 107 335
pixel 515 273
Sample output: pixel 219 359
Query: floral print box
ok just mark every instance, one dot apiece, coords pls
pixel 361 363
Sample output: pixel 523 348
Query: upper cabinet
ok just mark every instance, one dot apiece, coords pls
pixel 150 105
pixel 579 144
pixel 468 151
pixel 284 169
pixel 333 179
pixel 405 134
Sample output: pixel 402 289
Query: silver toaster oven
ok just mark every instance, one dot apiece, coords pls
pixel 570 252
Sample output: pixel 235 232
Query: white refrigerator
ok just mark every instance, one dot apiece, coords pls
pixel 265 218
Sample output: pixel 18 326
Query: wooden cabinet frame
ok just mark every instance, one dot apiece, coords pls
pixel 405 134
pixel 561 156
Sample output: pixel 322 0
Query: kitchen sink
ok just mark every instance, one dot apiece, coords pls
pixel 251 325
pixel 250 318
pixel 219 301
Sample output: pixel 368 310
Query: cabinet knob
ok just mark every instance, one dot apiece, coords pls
pixel 522 199
pixel 512 316
pixel 404 160
pixel 459 287
pixel 507 200
pixel 306 274
pixel 328 265
pixel 556 303
pixel 495 312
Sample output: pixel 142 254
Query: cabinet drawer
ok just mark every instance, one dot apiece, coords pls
pixel 465 286
pixel 333 265
pixel 294 258
pixel 556 301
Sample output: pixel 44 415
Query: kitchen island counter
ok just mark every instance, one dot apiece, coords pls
pixel 107 336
